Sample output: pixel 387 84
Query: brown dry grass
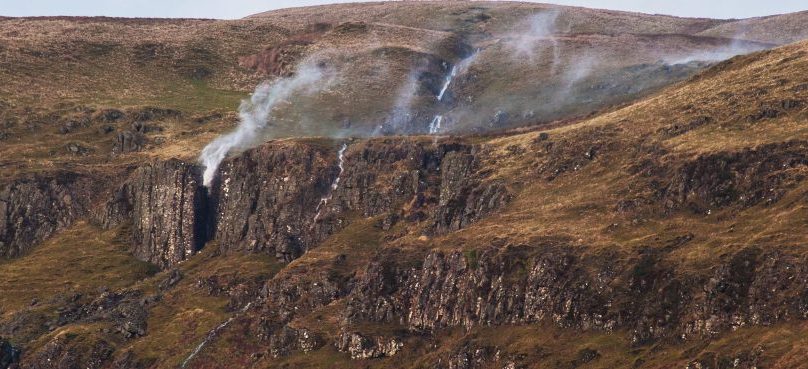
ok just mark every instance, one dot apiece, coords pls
pixel 578 205
pixel 81 259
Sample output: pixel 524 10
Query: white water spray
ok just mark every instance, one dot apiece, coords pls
pixel 447 82
pixel 734 47
pixel 334 185
pixel 212 334
pixel 457 69
pixel 254 115
pixel 434 126
pixel 531 38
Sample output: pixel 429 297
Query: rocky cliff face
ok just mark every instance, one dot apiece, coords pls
pixel 266 199
pixel 361 347
pixel 746 178
pixel 284 199
pixel 164 206
pixel 527 284
pixel 8 354
pixel 34 207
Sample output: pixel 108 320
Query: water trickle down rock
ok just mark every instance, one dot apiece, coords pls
pixel 461 67
pixel 434 126
pixel 269 198
pixel 324 201
pixel 212 334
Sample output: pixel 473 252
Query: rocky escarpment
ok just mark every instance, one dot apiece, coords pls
pixel 267 198
pixel 164 206
pixel 285 198
pixel 68 351
pixel 289 296
pixel 361 347
pixel 8 354
pixel 749 177
pixel 34 207
pixel 644 293
pixel 740 179
pixel 463 201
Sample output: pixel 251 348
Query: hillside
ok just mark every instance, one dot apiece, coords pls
pixel 201 66
pixel 659 223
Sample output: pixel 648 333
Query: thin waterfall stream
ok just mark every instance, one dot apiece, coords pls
pixel 334 185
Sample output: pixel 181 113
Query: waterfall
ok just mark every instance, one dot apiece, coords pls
pixel 255 113
pixel 434 126
pixel 212 334
pixel 324 201
pixel 457 69
pixel 447 82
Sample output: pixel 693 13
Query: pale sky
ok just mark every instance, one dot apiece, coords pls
pixel 229 9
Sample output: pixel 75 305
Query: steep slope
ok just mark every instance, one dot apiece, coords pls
pixel 389 62
pixel 790 28
pixel 664 233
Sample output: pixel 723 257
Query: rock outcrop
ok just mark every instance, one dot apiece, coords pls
pixel 34 207
pixel 287 297
pixel 8 354
pixel 267 199
pixel 555 283
pixel 463 200
pixel 165 206
pixel 129 141
pixel 279 198
pixel 67 351
pixel 287 339
pixel 749 177
pixel 361 347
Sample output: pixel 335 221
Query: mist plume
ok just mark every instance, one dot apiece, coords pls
pixel 255 113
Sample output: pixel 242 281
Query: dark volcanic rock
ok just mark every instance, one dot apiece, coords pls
pixel 8 354
pixel 462 199
pixel 69 352
pixel 554 283
pixel 745 359
pixel 288 339
pixel 166 206
pixel 505 288
pixel 34 207
pixel 110 115
pixel 748 177
pixel 268 197
pixel 126 311
pixel 290 296
pixel 284 198
pixel 279 198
